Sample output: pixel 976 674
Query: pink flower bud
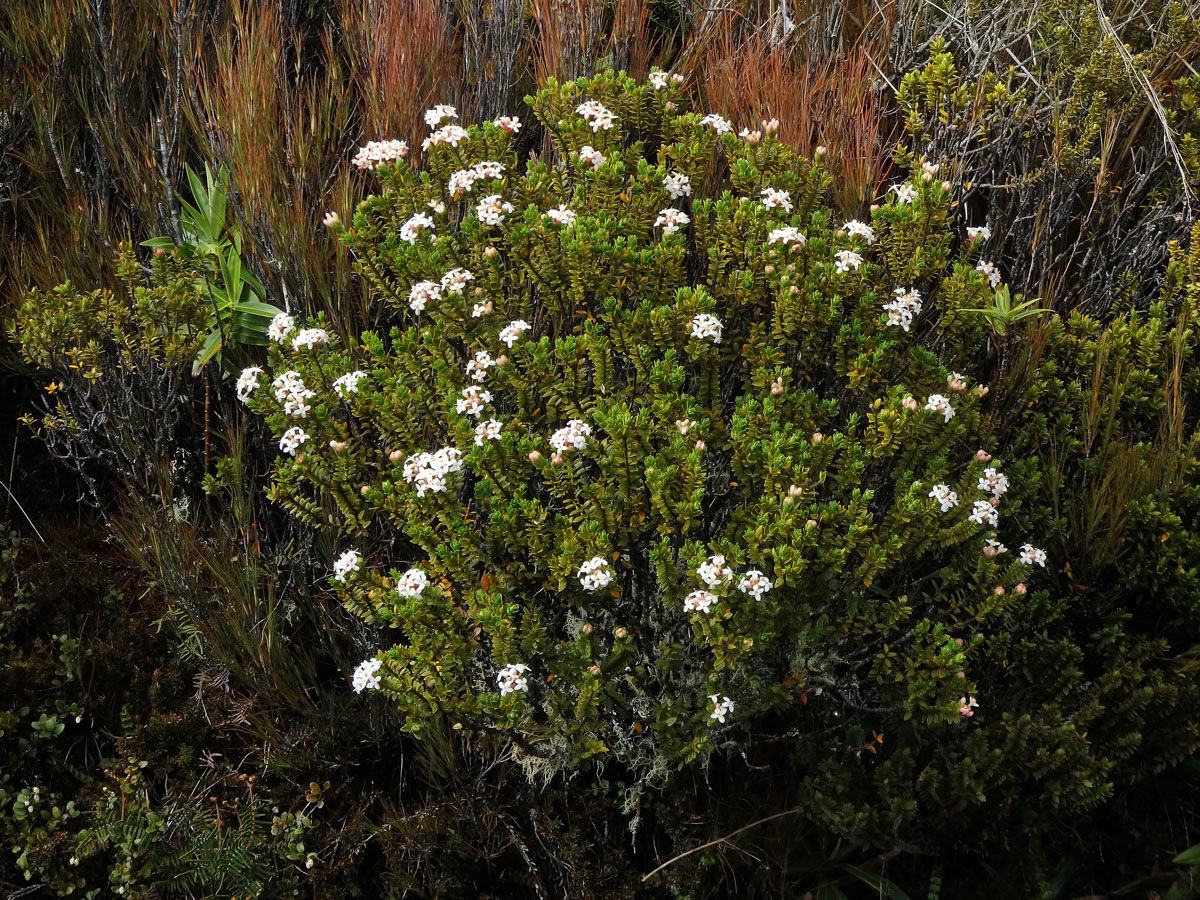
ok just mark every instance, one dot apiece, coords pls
pixel 817 437
pixel 1020 588
pixel 909 403
pixel 820 151
pixel 980 390
pixel 364 490
pixel 677 78
pixel 983 456
pixel 669 106
pixel 999 591
pixel 491 252
pixel 788 501
pixel 535 457
pixel 338 446
pixel 701 446
pixel 776 388
pixel 989 551
pixel 769 269
pixel 811 523
pixel 770 126
pixel 502 360
pixel 594 670
pixel 556 459
pixel 587 628
pixel 793 290
pixel 927 177
pixel 958 641
pixel 621 633
pixel 396 456
pixel 795 490
pixel 874 207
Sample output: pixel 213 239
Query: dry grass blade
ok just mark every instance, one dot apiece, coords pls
pixel 1155 103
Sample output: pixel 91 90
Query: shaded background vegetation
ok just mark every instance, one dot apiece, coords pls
pixel 189 631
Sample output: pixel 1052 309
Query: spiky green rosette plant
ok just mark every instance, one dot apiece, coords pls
pixel 657 446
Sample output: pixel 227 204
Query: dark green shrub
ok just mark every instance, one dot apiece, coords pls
pixel 548 497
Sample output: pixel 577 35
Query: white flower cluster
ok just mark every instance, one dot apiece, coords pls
pixel 773 198
pixel 658 80
pixel 423 293
pixel 595 574
pixel 410 230
pixel 707 327
pixel 412 584
pixel 473 400
pixel 366 676
pixel 905 192
pixel 685 425
pixel 281 326
pixel 292 439
pixel 671 219
pixel 511 124
pixel 1032 556
pixel 677 185
pixel 980 233
pixel 345 564
pixel 995 483
pixel 573 436
pixel 984 512
pixel 435 116
pixel 993 547
pixel 464 179
pixel 699 601
pixel 308 338
pixel 512 678
pixel 488 430
pixel 247 383
pixel 755 583
pixel 428 471
pixel 989 271
pixel 291 391
pixel 945 497
pixel 847 260
pixel 348 383
pixel 447 134
pixel 491 210
pixel 596 115
pixel 940 404
pixel 787 235
pixel 722 707
pixel 455 281
pixel 713 571
pixel 477 368
pixel 512 332
pixel 904 308
pixel 719 124
pixel 560 215
pixel 591 156
pixel 860 229
pixel 375 153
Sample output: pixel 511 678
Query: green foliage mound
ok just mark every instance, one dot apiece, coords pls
pixel 661 461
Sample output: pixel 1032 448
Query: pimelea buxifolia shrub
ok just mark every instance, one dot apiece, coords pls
pixel 659 446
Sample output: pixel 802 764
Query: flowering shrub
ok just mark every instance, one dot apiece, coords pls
pixel 655 431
